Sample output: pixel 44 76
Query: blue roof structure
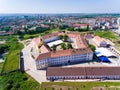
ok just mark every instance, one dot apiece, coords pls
pixel 104 59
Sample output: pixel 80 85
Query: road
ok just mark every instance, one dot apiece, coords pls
pixel 30 67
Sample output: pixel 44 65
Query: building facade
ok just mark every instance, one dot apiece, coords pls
pixel 62 60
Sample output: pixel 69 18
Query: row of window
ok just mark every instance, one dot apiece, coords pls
pixel 84 77
pixel 61 60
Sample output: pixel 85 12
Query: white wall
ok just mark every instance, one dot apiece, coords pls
pixel 64 59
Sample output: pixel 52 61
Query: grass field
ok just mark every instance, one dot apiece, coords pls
pixel 1 65
pixel 80 86
pixel 105 34
pixel 18 81
pixel 12 59
pixel 27 36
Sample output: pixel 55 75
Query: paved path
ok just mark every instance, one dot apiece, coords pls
pixel 30 67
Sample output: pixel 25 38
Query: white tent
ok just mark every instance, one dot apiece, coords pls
pixel 103 52
pixel 57 42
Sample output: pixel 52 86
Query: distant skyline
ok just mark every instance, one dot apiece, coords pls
pixel 59 6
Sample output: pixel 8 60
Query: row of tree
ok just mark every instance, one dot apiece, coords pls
pixel 79 29
pixel 37 30
pixel 63 27
pixel 63 37
pixel 4 48
pixel 6 29
pixel 63 46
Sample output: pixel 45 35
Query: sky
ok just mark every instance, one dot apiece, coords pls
pixel 59 6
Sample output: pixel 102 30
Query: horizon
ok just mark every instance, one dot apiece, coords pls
pixel 57 13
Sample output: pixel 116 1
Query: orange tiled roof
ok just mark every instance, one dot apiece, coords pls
pixel 98 39
pixel 63 53
pixel 37 41
pixel 79 25
pixel 51 35
pixel 43 49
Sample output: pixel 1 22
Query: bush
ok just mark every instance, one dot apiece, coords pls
pixel 25 78
pixel 17 85
pixel 63 27
pixel 9 86
pixel 4 48
pixel 93 48
pixel 10 81
pixel 60 37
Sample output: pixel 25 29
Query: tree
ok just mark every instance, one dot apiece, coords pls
pixel 4 48
pixel 63 46
pixel 19 32
pixel 93 48
pixel 60 37
pixel 63 27
pixel 71 29
pixel 69 46
pixel 65 37
pixel 54 48
pixel 88 28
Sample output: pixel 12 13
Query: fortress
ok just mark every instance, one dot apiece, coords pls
pixel 80 52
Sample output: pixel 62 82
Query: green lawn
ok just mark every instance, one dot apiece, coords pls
pixel 80 85
pixel 18 81
pixel 7 37
pixel 27 36
pixel 12 59
pixel 105 34
pixel 1 65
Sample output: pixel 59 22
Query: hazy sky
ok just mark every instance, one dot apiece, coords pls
pixel 59 6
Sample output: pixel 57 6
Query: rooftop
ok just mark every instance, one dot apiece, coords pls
pixel 86 71
pixel 63 53
pixel 98 39
pixel 79 25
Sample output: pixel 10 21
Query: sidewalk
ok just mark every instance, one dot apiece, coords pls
pixel 30 66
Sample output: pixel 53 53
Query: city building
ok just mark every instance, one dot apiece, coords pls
pixel 99 42
pixel 82 26
pixel 72 73
pixel 79 53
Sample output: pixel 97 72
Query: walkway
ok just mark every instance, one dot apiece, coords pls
pixel 30 67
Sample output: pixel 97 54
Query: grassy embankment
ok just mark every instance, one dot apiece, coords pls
pixel 18 81
pixel 81 86
pixel 15 80
pixel 105 34
pixel 12 59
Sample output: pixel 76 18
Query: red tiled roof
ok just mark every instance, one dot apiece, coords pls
pixel 50 35
pixel 64 53
pixel 56 71
pixel 79 25
pixel 86 71
pixel 43 49
pixel 44 26
pixel 37 41
pixel 98 39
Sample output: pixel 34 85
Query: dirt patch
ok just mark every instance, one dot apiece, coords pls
pixel 57 87
pixel 98 88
